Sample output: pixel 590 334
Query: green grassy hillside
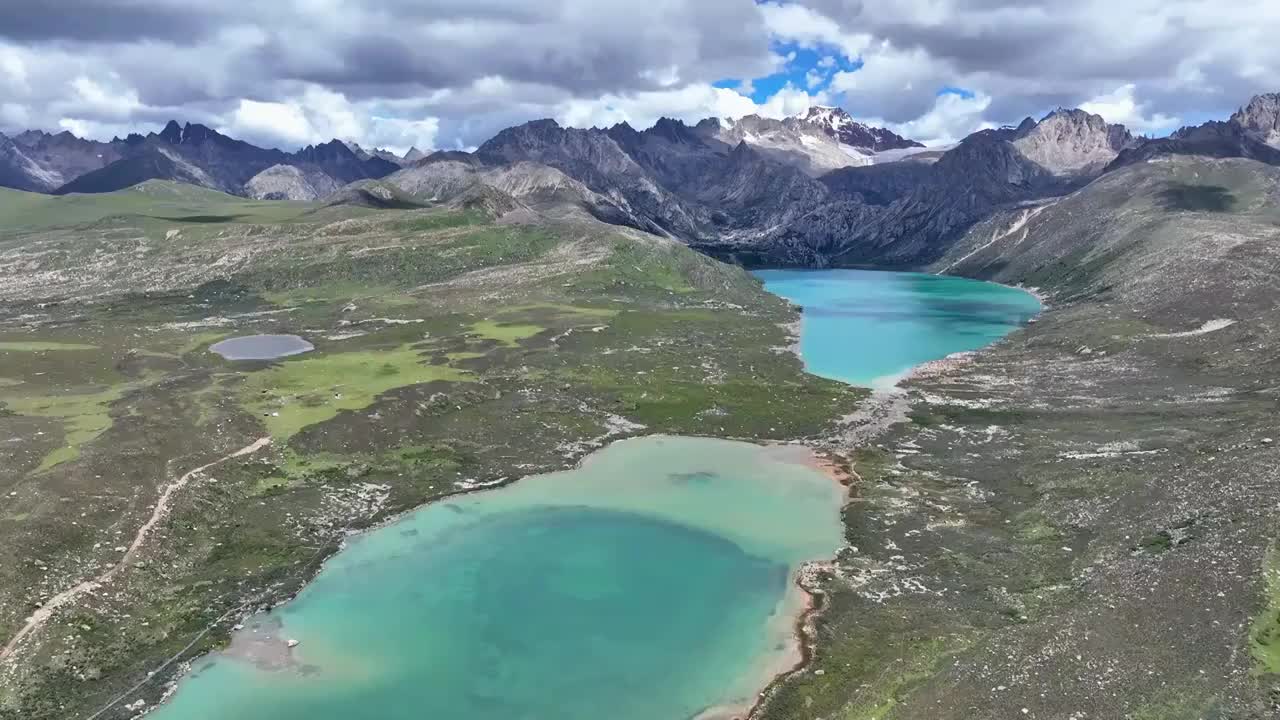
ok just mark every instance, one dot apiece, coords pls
pixel 450 351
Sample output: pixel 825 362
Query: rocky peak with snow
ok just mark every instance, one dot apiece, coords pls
pixel 792 141
pixel 840 125
pixel 1261 118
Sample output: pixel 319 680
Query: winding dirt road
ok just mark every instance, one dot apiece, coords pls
pixel 42 615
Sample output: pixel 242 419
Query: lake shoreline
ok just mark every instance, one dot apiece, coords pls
pixel 263 642
pixel 872 329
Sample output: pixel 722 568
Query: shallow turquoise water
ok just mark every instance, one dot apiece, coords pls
pixel 868 327
pixel 655 581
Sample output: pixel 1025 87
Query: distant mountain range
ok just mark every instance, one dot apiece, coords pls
pixel 63 163
pixel 822 140
pixel 817 189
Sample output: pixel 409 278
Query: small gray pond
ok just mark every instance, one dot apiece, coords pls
pixel 261 347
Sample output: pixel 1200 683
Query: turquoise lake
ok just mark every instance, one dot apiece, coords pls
pixel 869 327
pixel 657 580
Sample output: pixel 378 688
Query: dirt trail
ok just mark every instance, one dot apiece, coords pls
pixel 42 615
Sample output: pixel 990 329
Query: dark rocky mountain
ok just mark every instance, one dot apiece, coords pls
pixel 746 190
pixel 1242 136
pixel 906 213
pixel 597 160
pixel 900 214
pixel 146 164
pixel 17 170
pixel 64 156
pixel 337 161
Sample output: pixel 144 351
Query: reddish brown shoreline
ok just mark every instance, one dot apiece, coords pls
pixel 837 467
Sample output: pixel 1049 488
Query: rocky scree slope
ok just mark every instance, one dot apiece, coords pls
pixel 289 182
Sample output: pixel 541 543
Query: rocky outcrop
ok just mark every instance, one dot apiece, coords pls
pixel 443 179
pixel 289 182
pixel 1261 118
pixel 19 171
pixel 377 194
pixel 1072 142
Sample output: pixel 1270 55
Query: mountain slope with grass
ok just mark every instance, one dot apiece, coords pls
pixel 1081 520
pixel 454 348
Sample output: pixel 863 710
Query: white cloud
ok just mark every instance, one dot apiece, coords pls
pixel 13 70
pixel 690 104
pixel 398 134
pixel 898 84
pixel 98 130
pixel 117 102
pixel 319 115
pixel 811 29
pixel 950 119
pixel 456 71
pixel 281 120
pixel 1120 106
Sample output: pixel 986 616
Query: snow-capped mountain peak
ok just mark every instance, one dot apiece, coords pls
pixel 837 123
pixel 829 118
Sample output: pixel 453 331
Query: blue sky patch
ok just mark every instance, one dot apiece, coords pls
pixel 800 61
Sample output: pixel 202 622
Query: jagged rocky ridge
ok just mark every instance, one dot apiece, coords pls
pixel 193 153
pixel 752 190
pixel 1261 118
pixel 748 204
pixel 814 190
